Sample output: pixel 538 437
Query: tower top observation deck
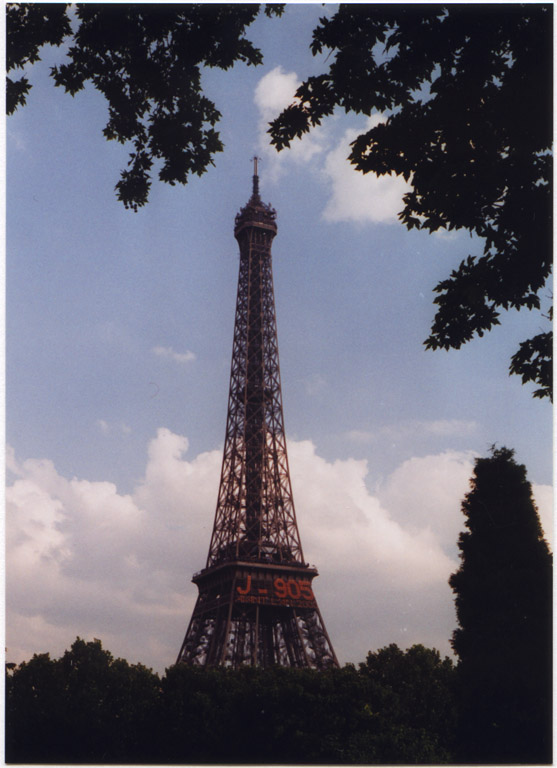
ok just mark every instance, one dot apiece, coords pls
pixel 256 213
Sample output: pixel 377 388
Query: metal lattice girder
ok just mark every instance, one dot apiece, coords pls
pixel 255 613
pixel 255 603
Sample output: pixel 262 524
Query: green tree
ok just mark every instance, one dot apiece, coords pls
pixel 503 601
pixel 84 707
pixel 146 59
pixel 34 711
pixel 88 707
pixel 448 79
pixel 421 689
pixel 289 716
pixel 467 95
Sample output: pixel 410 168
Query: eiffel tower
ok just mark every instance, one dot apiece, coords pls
pixel 256 604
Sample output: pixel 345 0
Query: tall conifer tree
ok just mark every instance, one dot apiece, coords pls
pixel 503 600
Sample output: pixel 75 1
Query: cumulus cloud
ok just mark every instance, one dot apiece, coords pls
pixel 356 196
pixel 170 354
pixel 430 506
pixel 274 92
pixel 353 196
pixel 384 560
pixel 84 559
pixel 349 528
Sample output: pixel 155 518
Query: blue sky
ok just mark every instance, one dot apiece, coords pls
pixel 119 335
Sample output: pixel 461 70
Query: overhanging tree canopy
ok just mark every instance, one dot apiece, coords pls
pixel 146 59
pixel 467 94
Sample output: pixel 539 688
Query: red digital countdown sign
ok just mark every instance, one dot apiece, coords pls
pixel 288 591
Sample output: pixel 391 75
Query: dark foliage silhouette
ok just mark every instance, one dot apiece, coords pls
pixel 84 707
pixel 503 594
pixel 146 59
pixel 467 94
pixel 89 707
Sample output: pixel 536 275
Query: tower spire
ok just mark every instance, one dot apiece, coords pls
pixel 255 192
pixel 255 604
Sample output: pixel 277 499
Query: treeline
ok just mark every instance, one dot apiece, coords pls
pixel 87 707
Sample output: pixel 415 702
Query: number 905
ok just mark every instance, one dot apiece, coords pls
pixel 293 588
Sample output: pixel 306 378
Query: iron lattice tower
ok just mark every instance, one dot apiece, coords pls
pixel 255 604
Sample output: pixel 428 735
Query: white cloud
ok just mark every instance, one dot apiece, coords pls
pixel 348 528
pixel 410 430
pixel 354 197
pixel 360 197
pixel 170 354
pixel 433 504
pixel 274 92
pixel 448 427
pixel 84 559
pixel 106 428
pixel 9 458
pixel 543 495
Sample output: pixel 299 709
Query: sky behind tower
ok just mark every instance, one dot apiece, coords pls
pixel 119 339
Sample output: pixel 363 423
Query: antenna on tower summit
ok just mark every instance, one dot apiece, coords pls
pixel 255 177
